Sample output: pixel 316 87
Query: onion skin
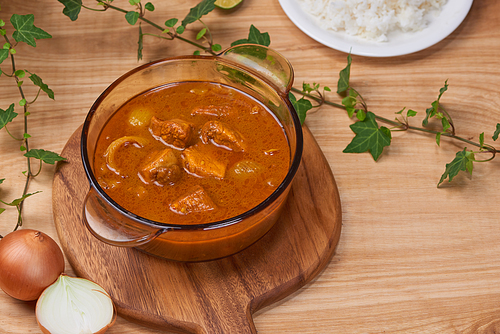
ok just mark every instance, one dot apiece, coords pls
pixel 30 261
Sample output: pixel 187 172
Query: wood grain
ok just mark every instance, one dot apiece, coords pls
pixel 412 258
pixel 213 296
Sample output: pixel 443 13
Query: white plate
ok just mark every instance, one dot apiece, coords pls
pixel 450 17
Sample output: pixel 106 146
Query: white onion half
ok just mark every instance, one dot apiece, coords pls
pixel 74 306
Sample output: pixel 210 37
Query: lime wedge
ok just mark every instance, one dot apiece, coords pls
pixel 227 4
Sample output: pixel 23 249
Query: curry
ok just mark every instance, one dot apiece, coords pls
pixel 191 153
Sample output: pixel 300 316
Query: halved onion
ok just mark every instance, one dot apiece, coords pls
pixel 74 305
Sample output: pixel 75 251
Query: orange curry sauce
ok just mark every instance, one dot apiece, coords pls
pixel 191 152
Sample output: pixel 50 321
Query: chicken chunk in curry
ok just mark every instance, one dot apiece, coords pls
pixel 222 135
pixel 202 163
pixel 162 168
pixel 175 132
pixel 195 201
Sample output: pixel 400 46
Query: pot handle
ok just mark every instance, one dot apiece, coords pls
pixel 112 227
pixel 267 62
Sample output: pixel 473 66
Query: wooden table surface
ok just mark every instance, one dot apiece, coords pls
pixel 412 258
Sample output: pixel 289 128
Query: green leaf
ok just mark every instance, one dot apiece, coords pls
pixel 308 88
pixel 2 23
pixel 46 156
pixel 22 102
pixel 254 37
pixel 37 81
pixel 301 106
pixel 369 137
pixel 134 2
pixel 4 54
pixel 481 140
pixel 327 89
pixel 497 132
pixel 344 76
pixel 430 112
pixel 20 73
pixel 201 33
pixel 463 162
pixel 171 23
pixel 446 125
pixel 411 113
pixel 7 116
pixel 149 6
pixel 132 17
pixel 180 29
pixel 71 8
pixel 18 201
pixel 438 138
pixel 434 109
pixel 360 114
pixel 196 52
pixel 1 181
pixel 203 8
pixel 25 29
pixel 216 47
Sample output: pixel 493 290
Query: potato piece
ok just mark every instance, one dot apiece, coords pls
pixel 197 200
pixel 202 164
pixel 162 168
pixel 139 117
pixel 110 153
pixel 175 132
pixel 222 135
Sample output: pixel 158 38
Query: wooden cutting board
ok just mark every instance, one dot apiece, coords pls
pixel 206 297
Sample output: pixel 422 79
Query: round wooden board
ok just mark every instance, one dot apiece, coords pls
pixel 206 297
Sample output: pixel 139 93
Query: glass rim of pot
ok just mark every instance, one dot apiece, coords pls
pixel 294 163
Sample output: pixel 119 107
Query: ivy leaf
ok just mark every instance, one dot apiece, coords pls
pixel 37 81
pixel 149 6
pixel 18 201
pixel 433 110
pixel 4 54
pixel 481 140
pixel 254 37
pixel 463 162
pixel 132 17
pixel 46 156
pixel 171 22
pixel 26 30
pixel 301 106
pixel 203 8
pixel 71 8
pixel 369 137
pixel 497 132
pixel 7 116
pixel 344 76
pixel 201 33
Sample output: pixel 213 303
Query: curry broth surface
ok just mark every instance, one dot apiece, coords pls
pixel 266 147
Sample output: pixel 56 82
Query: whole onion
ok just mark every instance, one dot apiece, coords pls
pixel 30 261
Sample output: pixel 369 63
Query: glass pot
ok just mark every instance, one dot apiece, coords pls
pixel 253 69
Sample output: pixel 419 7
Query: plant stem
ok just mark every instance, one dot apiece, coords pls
pixel 161 28
pixel 395 123
pixel 26 145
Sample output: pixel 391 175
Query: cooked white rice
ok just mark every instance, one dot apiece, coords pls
pixel 372 19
